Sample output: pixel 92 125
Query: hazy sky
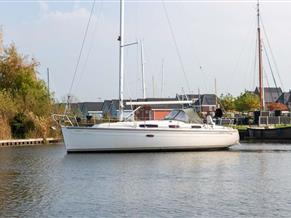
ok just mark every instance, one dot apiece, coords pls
pixel 216 39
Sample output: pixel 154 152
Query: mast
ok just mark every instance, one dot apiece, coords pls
pixel 121 59
pixel 261 84
pixel 142 71
pixel 215 92
pixel 199 101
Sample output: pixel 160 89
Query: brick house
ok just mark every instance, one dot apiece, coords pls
pixel 271 94
pixel 285 98
pixel 156 112
pixel 203 103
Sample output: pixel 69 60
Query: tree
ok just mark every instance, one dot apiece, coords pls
pixel 18 77
pixel 227 102
pixel 8 109
pixel 25 102
pixel 247 102
pixel 16 72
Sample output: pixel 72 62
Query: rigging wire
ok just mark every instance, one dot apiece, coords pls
pixel 270 66
pixel 90 48
pixel 272 54
pixel 82 47
pixel 176 44
pixel 277 90
pixel 251 63
pixel 127 87
pixel 255 64
pixel 138 49
pixel 244 47
pixel 137 78
pixel 206 75
pixel 266 78
pixel 268 85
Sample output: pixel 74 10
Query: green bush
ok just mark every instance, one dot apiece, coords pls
pixel 21 126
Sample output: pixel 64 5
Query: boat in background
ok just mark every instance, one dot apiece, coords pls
pixel 277 133
pixel 264 131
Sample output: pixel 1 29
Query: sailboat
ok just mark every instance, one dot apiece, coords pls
pixel 265 131
pixel 181 129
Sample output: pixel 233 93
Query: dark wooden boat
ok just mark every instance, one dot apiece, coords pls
pixel 277 133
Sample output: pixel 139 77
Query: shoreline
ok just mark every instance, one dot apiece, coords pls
pixel 27 142
pixel 47 141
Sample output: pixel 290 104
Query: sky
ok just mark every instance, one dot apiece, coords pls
pixel 201 41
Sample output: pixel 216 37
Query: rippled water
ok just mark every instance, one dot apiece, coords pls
pixel 249 180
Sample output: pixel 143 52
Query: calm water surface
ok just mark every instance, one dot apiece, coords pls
pixel 249 180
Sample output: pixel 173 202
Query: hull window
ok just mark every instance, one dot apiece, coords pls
pixel 148 126
pixel 196 127
pixel 174 126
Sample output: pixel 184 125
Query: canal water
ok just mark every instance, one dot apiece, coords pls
pixel 249 180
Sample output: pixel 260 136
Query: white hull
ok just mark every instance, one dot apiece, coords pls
pixel 123 139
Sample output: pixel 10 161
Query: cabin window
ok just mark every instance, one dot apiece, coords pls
pixel 172 115
pixel 181 116
pixel 196 127
pixel 177 115
pixel 148 126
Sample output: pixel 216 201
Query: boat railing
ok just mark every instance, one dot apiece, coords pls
pixel 224 121
pixel 274 120
pixel 65 120
pixel 131 115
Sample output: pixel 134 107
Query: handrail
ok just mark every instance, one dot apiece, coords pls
pixel 132 113
pixel 63 119
pixel 224 121
pixel 274 120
